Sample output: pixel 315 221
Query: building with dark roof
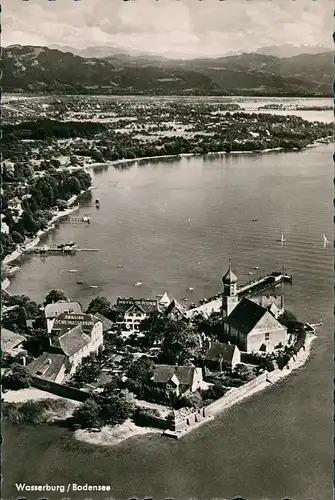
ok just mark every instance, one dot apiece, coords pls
pixel 221 356
pixel 51 311
pixel 131 312
pixel 253 328
pixel 178 379
pixel 11 343
pixel 107 324
pixel 50 366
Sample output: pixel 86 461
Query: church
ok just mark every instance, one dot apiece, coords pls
pixel 248 324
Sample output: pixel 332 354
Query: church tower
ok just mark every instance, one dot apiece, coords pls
pixel 229 293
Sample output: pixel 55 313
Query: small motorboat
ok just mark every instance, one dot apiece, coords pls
pixel 120 265
pixel 80 282
pixel 250 274
pixel 256 267
pixel 185 299
pixel 73 271
pixel 254 219
pixel 190 289
pixel 93 286
pixel 138 283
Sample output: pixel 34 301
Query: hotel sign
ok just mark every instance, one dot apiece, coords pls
pixel 131 302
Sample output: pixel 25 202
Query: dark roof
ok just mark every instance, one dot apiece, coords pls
pixel 106 323
pixel 10 340
pixel 72 341
pixel 229 277
pixel 163 373
pixel 245 316
pixel 66 321
pixel 146 305
pixel 47 366
pixel 219 350
pixel 175 308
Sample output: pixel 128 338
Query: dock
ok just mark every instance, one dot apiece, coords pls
pixel 263 283
pixel 77 220
pixel 58 251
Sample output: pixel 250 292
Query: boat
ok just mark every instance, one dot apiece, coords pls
pixel 80 282
pixel 282 239
pixel 71 244
pixel 86 219
pixel 256 267
pixel 93 286
pixel 250 274
pixel 97 203
pixel 73 271
pixel 138 283
pixel 325 240
pixel 190 289
pixel 185 298
pixel 120 265
pixel 255 219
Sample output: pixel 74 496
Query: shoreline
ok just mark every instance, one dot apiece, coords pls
pixel 109 163
pixel 16 254
pixel 111 436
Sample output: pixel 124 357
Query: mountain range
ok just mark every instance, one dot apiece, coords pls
pixel 42 69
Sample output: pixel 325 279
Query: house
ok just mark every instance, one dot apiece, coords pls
pixel 66 352
pixel 49 366
pixel 175 310
pixel 253 328
pixel 220 356
pixel 178 379
pixel 107 324
pixel 51 311
pixel 90 324
pixel 76 345
pixel 11 343
pixel 130 312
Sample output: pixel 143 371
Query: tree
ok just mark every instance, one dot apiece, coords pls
pixel 18 378
pixel 55 296
pixel 180 345
pixel 244 372
pixel 140 374
pixel 116 408
pixel 88 415
pixel 155 327
pixel 100 305
pixel 17 237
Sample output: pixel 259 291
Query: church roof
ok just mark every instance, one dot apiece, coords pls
pixel 229 277
pixel 246 315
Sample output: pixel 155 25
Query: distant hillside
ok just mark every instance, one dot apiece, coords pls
pixel 36 69
pixel 290 50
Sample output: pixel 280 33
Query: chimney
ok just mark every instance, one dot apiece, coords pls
pixel 24 361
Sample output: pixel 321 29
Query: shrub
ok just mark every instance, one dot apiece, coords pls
pixel 146 417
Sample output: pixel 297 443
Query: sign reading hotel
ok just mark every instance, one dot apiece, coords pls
pixel 130 302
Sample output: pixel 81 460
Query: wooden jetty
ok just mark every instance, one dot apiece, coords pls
pixel 59 251
pixel 78 220
pixel 263 283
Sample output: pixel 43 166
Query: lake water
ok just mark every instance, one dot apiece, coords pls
pixel 278 443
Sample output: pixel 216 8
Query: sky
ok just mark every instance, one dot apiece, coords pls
pixel 184 28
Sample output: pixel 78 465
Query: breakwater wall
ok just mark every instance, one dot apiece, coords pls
pixel 60 390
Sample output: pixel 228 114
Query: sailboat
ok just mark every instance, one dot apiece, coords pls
pixel 282 239
pixel 325 240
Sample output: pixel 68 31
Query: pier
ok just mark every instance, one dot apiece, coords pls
pixel 263 283
pixel 58 251
pixel 77 220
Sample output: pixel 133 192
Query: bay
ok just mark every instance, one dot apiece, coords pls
pixel 174 224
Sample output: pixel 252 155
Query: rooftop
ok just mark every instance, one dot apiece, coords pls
pixel 219 350
pixel 246 315
pixel 164 373
pixel 72 341
pixel 47 366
